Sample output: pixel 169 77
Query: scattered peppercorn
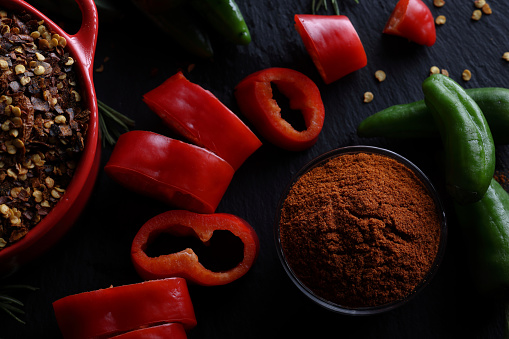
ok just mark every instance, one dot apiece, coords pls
pixel 368 97
pixel 466 75
pixel 476 15
pixel 438 3
pixel 440 20
pixel 380 75
pixel 434 70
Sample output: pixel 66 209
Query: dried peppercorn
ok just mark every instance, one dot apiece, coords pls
pixel 42 122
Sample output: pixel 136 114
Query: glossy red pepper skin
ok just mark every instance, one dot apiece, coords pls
pixel 200 117
pixel 333 44
pixel 413 20
pixel 165 331
pixel 114 310
pixel 186 263
pixel 177 173
pixel 255 99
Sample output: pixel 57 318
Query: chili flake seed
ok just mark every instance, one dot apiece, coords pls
pixel 39 70
pixel 505 56
pixel 486 9
pixel 466 75
pixel 445 72
pixel 368 97
pixel 438 3
pixel 479 3
pixel 434 70
pixel 440 20
pixel 19 69
pixel 476 15
pixel 380 75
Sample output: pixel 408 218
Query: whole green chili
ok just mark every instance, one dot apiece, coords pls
pixel 226 18
pixel 484 226
pixel 468 145
pixel 415 120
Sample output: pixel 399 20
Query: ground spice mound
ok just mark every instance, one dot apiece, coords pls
pixel 43 122
pixel 360 230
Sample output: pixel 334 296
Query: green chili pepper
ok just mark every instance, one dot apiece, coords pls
pixel 485 230
pixel 225 17
pixel 179 23
pixel 468 145
pixel 414 119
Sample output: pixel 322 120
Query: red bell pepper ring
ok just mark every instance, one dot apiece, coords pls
pixel 166 331
pixel 115 310
pixel 333 44
pixel 177 173
pixel 413 20
pixel 186 263
pixel 199 116
pixel 255 99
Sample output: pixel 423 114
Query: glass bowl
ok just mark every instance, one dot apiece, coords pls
pixel 368 310
pixel 63 215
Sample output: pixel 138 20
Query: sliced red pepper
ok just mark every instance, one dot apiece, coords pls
pixel 180 174
pixel 333 44
pixel 166 331
pixel 413 20
pixel 255 99
pixel 200 117
pixel 186 263
pixel 116 310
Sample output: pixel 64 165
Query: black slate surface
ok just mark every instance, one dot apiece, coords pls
pixel 95 253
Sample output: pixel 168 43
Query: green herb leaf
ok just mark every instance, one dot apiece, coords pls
pixel 316 5
pixel 112 123
pixel 11 305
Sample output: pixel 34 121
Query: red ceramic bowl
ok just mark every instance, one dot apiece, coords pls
pixel 47 232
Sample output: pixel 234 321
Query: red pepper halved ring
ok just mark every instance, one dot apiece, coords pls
pixel 413 20
pixel 185 263
pixel 115 310
pixel 200 117
pixel 333 44
pixel 180 174
pixel 165 331
pixel 255 99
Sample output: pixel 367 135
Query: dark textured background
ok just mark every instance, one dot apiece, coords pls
pixel 95 253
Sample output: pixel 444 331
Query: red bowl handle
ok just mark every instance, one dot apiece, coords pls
pixel 86 37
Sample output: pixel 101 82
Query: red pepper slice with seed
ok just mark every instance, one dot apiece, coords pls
pixel 115 310
pixel 199 116
pixel 180 174
pixel 166 331
pixel 185 263
pixel 413 20
pixel 333 44
pixel 255 99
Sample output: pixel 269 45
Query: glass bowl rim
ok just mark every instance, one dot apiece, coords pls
pixel 371 310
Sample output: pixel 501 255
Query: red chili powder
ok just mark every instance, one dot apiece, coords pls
pixel 360 230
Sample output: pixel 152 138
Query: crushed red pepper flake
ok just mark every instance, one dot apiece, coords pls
pixel 42 123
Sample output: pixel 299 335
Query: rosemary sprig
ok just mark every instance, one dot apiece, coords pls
pixel 112 123
pixel 11 305
pixel 316 5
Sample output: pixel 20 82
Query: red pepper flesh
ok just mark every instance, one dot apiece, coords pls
pixel 186 263
pixel 413 20
pixel 333 44
pixel 114 310
pixel 199 116
pixel 166 331
pixel 180 174
pixel 255 99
